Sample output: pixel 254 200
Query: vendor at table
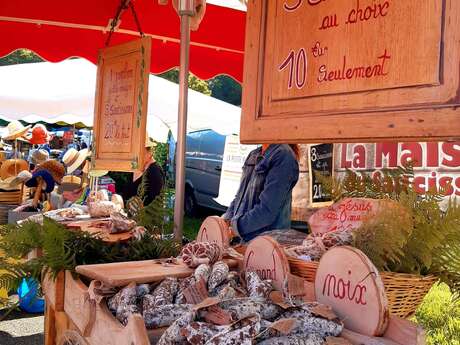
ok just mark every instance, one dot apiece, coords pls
pixel 263 200
pixel 151 178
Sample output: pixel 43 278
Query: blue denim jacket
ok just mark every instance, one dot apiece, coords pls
pixel 263 200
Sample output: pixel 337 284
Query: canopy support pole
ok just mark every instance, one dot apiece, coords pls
pixel 182 126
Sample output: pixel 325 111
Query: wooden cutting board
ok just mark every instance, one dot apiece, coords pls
pixel 147 271
pixel 90 227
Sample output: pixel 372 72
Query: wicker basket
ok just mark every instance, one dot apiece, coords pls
pixel 405 292
pixel 304 269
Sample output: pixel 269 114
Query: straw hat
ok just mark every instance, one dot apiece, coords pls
pixel 39 156
pixel 15 129
pixel 55 168
pixel 12 167
pixel 7 184
pixel 23 176
pixel 40 135
pixel 69 183
pixel 73 159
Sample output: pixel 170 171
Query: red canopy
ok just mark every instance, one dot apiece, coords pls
pixel 57 30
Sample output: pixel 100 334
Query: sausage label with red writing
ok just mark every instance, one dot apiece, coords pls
pixel 266 257
pixel 347 281
pixel 347 214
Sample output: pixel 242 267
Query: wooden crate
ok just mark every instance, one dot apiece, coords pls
pixel 78 305
pixel 53 289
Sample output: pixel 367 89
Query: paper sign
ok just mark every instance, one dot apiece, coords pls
pixel 196 293
pixel 218 316
pixel 285 326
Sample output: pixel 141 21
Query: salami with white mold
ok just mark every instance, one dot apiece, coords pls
pixel 165 315
pixel 126 296
pixel 202 272
pixel 162 295
pixel 266 310
pixel 257 288
pixel 311 339
pixel 173 334
pixel 198 333
pixel 307 324
pixel 236 335
pixel 124 311
pixel 218 274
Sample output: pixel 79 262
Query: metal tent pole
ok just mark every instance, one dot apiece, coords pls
pixel 185 10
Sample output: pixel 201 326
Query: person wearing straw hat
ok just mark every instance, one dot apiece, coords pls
pixel 151 177
pixel 15 130
pixel 38 156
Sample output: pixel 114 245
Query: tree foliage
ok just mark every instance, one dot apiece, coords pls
pixel 20 56
pixel 226 89
pixel 193 82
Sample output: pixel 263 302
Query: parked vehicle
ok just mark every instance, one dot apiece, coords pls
pixel 203 166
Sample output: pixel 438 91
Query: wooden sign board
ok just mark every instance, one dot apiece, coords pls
pixel 120 109
pixel 321 163
pixel 266 257
pixel 214 229
pixel 347 281
pixel 347 71
pixel 347 214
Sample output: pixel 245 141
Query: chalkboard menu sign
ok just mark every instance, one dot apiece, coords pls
pixel 120 113
pixel 315 70
pixel 321 163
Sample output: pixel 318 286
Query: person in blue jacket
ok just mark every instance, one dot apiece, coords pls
pixel 263 200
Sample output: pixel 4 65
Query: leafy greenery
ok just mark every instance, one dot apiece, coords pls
pixel 157 217
pixel 439 315
pixel 160 154
pixel 413 234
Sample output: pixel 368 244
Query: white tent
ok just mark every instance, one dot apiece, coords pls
pixel 64 92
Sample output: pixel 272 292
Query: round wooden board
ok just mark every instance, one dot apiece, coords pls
pixel 265 256
pixel 347 281
pixel 214 229
pixel 348 213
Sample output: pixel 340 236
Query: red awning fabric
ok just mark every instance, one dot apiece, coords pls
pixel 57 30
